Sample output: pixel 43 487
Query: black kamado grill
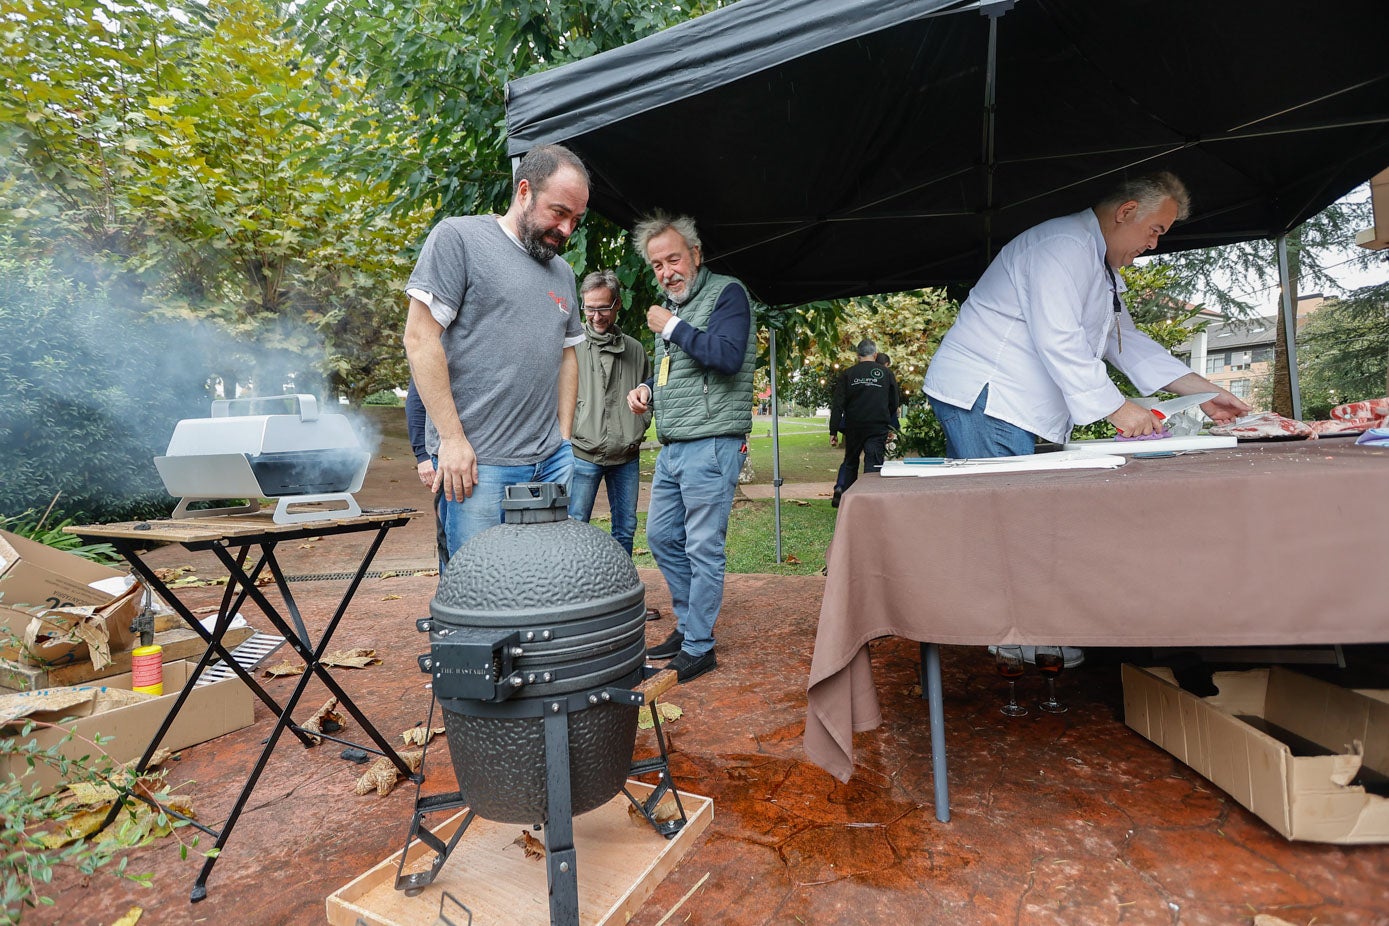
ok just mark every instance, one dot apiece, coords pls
pixel 537 648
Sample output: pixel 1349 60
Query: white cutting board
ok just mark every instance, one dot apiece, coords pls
pixel 1193 442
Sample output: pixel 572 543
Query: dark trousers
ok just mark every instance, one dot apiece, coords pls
pixel 872 445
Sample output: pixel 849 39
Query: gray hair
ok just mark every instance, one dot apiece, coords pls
pixel 866 348
pixel 1149 191
pixel 657 223
pixel 602 279
pixel 542 163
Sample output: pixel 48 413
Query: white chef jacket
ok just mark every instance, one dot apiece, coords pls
pixel 1037 328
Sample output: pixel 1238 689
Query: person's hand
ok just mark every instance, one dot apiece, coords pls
pixel 1225 407
pixel 834 440
pixel 1133 420
pixel 657 318
pixel 639 399
pixel 426 470
pixel 457 469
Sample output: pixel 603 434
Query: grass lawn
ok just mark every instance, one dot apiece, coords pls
pixel 806 528
pixel 806 454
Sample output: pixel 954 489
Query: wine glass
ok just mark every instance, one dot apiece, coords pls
pixel 1008 660
pixel 1050 662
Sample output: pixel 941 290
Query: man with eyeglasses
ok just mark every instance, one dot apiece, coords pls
pixel 490 336
pixel 607 436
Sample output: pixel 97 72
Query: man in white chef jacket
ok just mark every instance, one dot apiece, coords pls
pixel 1025 358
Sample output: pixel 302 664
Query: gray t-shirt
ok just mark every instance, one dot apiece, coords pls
pixel 505 344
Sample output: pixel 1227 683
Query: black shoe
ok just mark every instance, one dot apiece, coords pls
pixel 687 667
pixel 834 502
pixel 667 648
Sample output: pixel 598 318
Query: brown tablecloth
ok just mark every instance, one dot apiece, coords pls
pixel 1282 543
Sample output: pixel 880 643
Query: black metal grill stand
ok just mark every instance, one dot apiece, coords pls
pixel 231 539
pixel 560 858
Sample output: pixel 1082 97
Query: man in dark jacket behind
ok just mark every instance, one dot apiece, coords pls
pixel 864 410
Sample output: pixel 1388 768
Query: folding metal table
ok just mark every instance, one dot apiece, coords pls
pixel 231 538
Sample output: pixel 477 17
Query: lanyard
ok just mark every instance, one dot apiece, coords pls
pixel 1118 306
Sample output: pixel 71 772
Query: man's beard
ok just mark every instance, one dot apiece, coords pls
pixel 684 295
pixel 533 238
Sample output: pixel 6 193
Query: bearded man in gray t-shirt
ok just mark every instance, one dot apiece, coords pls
pixel 493 322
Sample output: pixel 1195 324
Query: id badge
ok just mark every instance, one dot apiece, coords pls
pixel 664 373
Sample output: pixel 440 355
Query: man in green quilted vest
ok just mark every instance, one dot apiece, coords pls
pixel 702 396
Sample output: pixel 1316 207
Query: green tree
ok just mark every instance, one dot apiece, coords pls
pixel 1343 353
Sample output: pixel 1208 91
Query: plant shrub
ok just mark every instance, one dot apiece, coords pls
pixel 383 397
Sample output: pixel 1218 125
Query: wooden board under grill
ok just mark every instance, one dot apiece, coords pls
pixel 620 862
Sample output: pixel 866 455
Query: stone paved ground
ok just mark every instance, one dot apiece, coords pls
pixel 1069 819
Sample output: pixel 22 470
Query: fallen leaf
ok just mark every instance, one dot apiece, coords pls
pixel 130 917
pixel 172 573
pixel 388 574
pixel 667 710
pixel 791 560
pixel 800 501
pixel 641 551
pixel 391 598
pixel 352 659
pixel 80 825
pixel 281 669
pixel 427 572
pixel 382 775
pixel 187 582
pixel 325 714
pixel 534 848
pixel 664 812
pixel 91 794
pixel 420 736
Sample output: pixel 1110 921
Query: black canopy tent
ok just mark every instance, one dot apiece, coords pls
pixel 841 147
pixel 832 148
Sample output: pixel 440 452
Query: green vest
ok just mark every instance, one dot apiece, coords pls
pixel 698 402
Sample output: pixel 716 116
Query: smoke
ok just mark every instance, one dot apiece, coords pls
pixel 93 380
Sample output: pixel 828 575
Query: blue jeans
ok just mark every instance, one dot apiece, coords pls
pixel 971 434
pixel 624 482
pixel 483 509
pixel 687 525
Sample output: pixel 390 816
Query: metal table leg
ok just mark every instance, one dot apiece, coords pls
pixel 931 691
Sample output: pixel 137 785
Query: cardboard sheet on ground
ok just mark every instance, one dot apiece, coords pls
pixel 1066 459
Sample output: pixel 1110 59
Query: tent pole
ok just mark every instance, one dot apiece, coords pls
pixel 776 448
pixel 1289 324
pixel 993 11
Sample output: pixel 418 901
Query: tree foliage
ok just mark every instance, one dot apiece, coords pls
pixel 1343 351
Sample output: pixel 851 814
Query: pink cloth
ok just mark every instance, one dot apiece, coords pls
pixel 1255 542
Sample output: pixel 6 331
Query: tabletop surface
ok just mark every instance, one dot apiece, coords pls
pixel 228 527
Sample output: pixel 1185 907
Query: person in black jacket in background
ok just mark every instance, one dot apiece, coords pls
pixel 864 410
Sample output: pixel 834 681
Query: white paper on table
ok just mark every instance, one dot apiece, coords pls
pixel 1065 459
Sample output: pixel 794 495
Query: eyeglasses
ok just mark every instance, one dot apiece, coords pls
pixel 601 309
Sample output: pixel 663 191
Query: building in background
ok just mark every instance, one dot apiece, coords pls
pixel 1237 354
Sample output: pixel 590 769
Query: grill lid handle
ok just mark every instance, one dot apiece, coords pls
pixel 535 503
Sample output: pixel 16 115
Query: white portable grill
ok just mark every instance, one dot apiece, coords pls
pixel 277 447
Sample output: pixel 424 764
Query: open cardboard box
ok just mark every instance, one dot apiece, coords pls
pixel 35 575
pixel 47 637
pixel 210 711
pixel 1307 797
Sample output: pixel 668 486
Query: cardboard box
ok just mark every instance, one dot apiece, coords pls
pixel 35 575
pixel 1307 797
pixel 52 642
pixel 210 711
